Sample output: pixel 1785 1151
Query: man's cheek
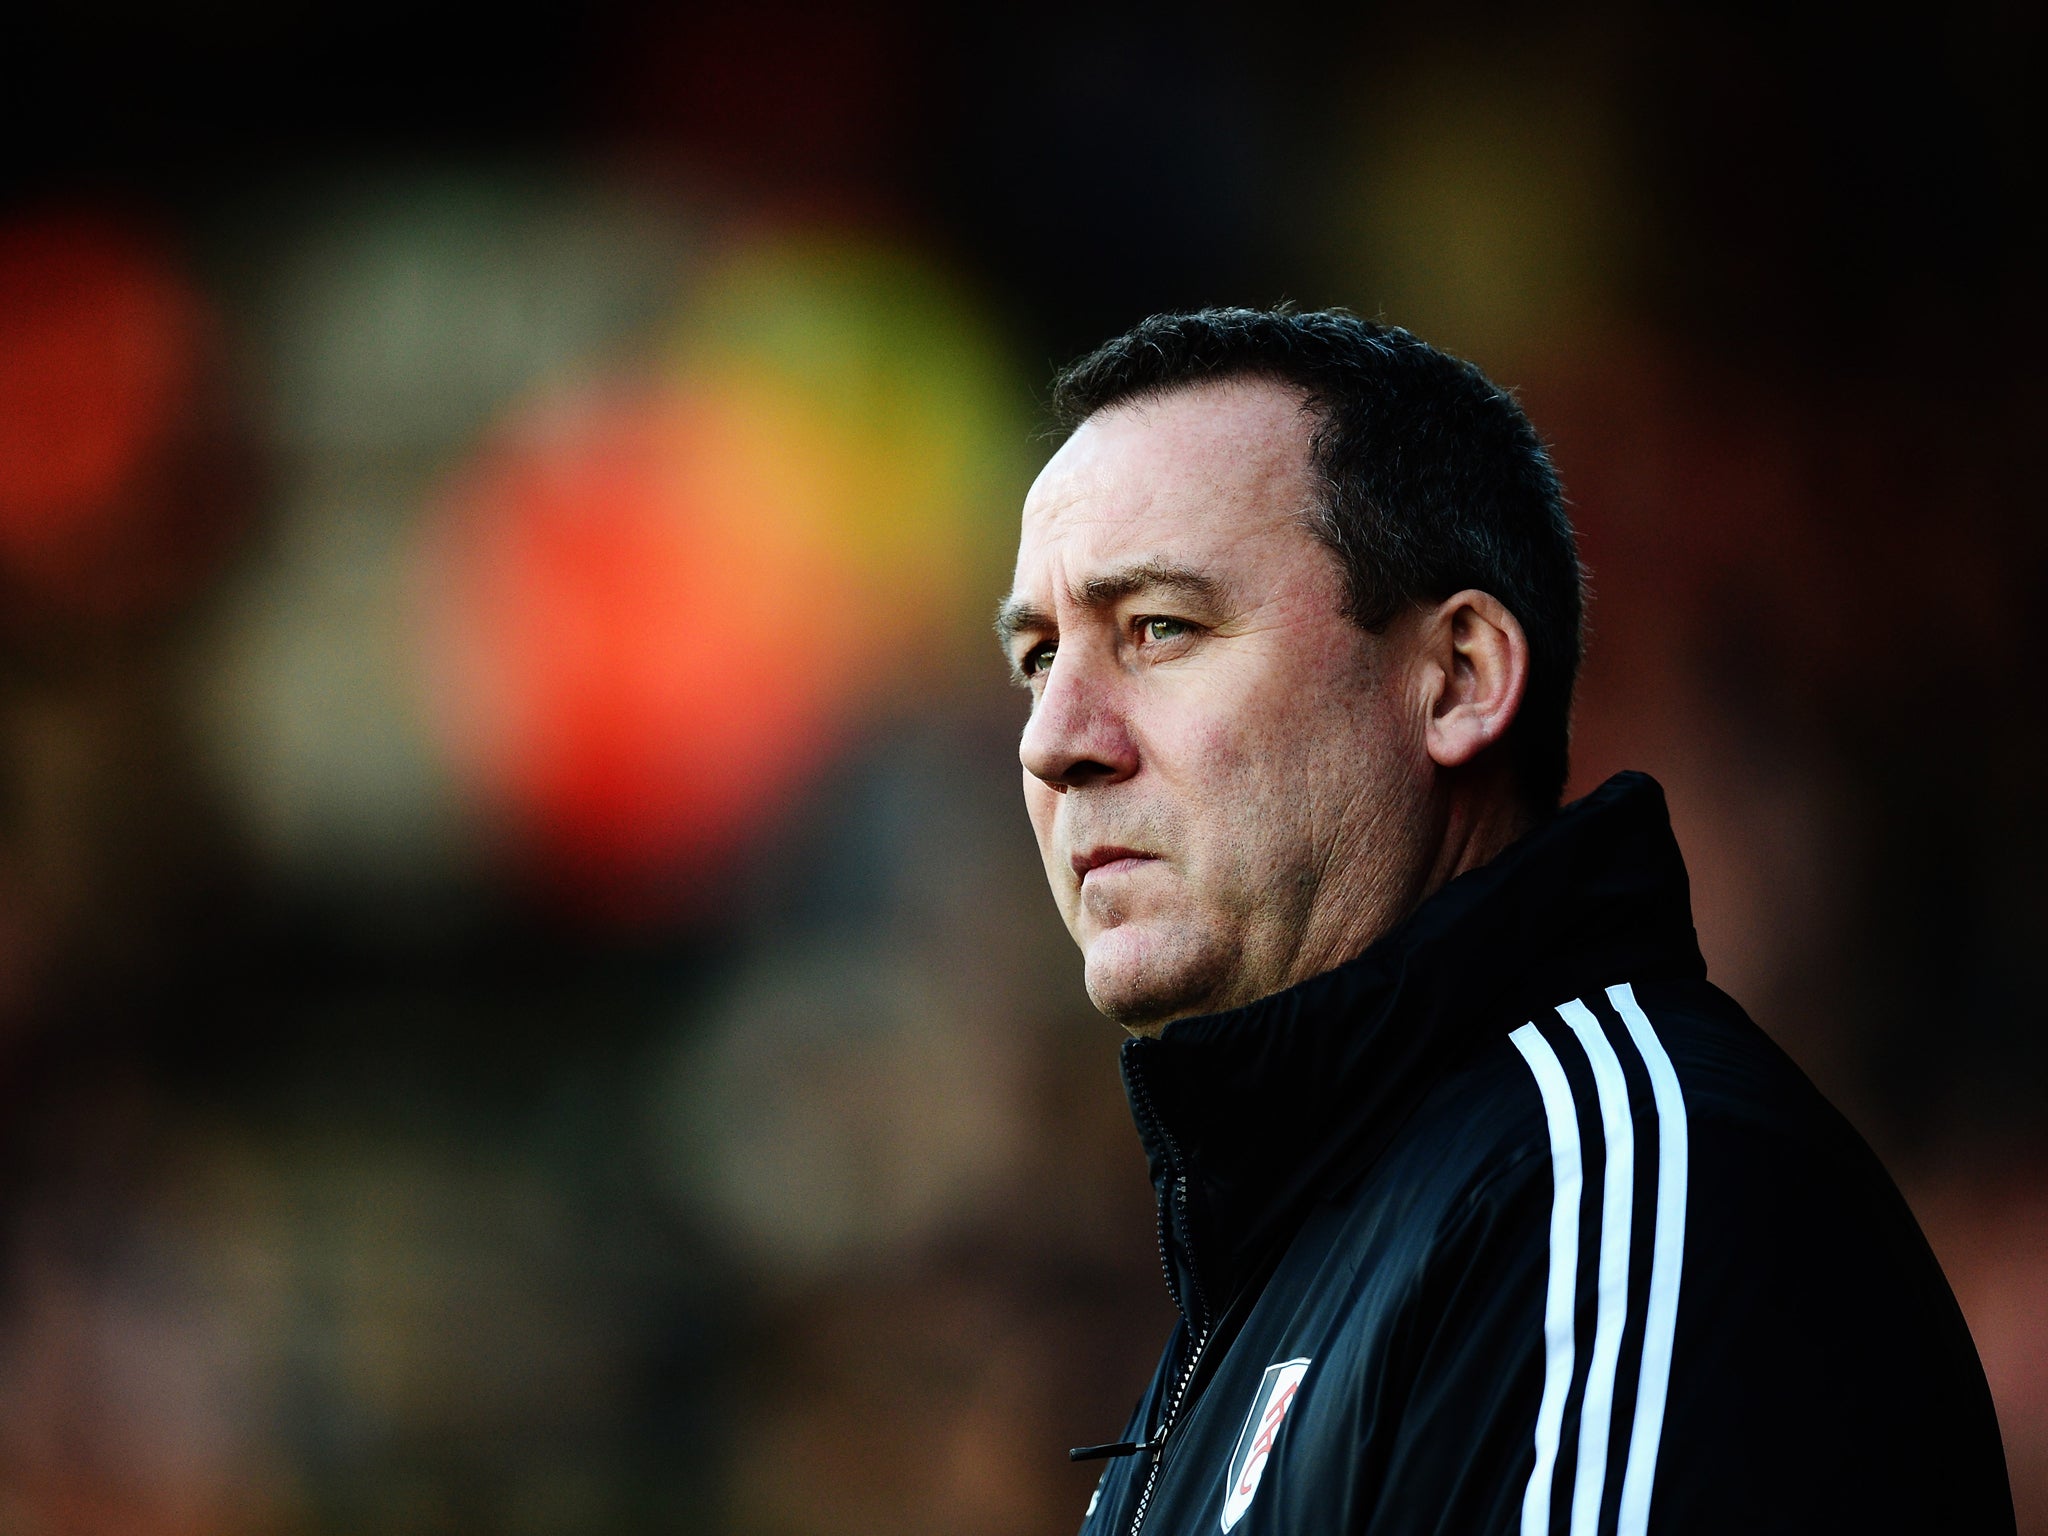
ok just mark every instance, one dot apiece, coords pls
pixel 1210 743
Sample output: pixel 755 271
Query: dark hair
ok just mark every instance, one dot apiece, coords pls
pixel 1433 479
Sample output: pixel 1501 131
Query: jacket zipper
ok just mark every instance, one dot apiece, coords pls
pixel 1156 1445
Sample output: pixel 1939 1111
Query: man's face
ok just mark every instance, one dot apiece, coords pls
pixel 1225 773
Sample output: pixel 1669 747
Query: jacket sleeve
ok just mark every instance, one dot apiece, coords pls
pixel 1812 1374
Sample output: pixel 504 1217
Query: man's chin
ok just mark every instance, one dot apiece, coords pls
pixel 1144 981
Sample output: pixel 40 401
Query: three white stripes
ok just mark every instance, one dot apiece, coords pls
pixel 1611 1310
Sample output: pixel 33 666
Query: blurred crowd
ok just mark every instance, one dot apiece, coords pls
pixel 527 1002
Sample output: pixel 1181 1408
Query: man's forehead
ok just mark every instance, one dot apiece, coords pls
pixel 1215 461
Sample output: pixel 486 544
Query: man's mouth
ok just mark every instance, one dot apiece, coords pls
pixel 1109 860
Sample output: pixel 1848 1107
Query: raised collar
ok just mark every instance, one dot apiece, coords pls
pixel 1251 1115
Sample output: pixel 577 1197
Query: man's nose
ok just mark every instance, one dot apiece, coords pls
pixel 1078 732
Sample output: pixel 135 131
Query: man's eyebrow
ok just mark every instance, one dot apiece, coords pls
pixel 1018 615
pixel 1144 576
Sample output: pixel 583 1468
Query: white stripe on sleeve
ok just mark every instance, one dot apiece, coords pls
pixel 1565 1178
pixel 1667 1259
pixel 1596 1413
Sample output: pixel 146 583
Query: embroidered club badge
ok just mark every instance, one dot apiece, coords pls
pixel 1255 1441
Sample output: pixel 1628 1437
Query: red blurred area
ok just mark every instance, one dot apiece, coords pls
pixel 101 349
pixel 640 630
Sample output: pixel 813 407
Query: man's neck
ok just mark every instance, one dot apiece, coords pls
pixel 1480 822
pixel 1470 819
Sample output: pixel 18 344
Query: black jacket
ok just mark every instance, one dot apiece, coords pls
pixel 1516 1224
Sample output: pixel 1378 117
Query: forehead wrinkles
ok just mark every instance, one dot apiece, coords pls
pixel 1074 501
pixel 1197 480
pixel 1095 523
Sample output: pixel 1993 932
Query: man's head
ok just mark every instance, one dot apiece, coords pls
pixel 1298 606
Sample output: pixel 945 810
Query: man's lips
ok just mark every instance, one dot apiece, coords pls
pixel 1108 860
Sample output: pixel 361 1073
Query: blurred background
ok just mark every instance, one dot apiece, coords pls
pixel 527 1003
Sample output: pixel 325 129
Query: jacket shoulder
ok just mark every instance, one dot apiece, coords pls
pixel 1649 1153
pixel 1630 1057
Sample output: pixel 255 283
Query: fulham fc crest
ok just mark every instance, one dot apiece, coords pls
pixel 1255 1441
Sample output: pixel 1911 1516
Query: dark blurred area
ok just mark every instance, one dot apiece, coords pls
pixel 527 1002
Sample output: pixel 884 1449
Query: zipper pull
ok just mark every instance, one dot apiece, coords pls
pixel 1116 1448
pixel 1104 1452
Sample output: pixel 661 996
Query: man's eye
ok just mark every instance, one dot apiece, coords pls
pixel 1037 660
pixel 1164 629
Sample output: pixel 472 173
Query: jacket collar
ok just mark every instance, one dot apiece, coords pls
pixel 1249 1116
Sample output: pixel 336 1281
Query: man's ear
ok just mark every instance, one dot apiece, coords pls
pixel 1480 670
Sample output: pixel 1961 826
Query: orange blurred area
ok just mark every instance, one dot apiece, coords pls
pixel 653 604
pixel 644 631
